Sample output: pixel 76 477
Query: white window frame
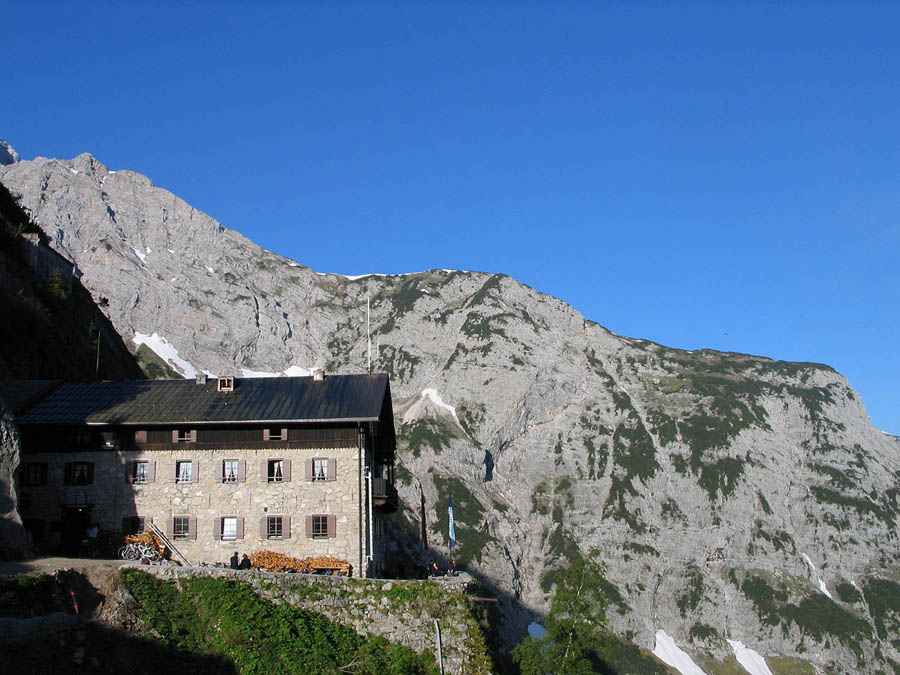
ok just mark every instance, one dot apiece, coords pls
pixel 320 527
pixel 234 465
pixel 320 469
pixel 275 471
pixel 179 533
pixel 141 471
pixel 229 528
pixel 184 471
pixel 274 523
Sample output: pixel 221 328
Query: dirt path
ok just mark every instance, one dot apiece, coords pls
pixel 49 565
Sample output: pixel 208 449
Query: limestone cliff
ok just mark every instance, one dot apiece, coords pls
pixel 730 496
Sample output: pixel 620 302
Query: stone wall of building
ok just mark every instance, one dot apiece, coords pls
pixel 402 611
pixel 112 496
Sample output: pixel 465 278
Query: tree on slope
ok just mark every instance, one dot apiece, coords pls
pixel 576 641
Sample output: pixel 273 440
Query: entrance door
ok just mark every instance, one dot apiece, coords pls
pixel 76 521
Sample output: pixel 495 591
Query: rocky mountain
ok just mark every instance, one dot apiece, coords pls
pixel 737 502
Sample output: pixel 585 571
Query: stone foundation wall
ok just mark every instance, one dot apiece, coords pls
pixel 399 610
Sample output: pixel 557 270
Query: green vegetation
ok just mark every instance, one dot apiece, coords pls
pixel 701 632
pixel 576 638
pixel 847 593
pixel 764 503
pixel 841 479
pixel 397 362
pixel 781 540
pixel 883 597
pixel 692 595
pixel 468 514
pixel 721 476
pixel 225 617
pixel 887 513
pixel 816 616
pixel 427 432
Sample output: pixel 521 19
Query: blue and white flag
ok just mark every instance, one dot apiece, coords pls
pixel 452 524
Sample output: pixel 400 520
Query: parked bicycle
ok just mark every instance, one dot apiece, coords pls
pixel 139 551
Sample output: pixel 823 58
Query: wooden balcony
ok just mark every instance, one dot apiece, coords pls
pixel 384 494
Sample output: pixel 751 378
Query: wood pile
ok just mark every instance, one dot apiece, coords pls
pixel 150 539
pixel 279 562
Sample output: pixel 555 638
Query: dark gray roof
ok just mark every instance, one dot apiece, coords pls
pixel 337 398
pixel 19 393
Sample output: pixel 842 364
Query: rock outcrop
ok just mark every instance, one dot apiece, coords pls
pixel 729 496
pixel 14 541
pixel 8 155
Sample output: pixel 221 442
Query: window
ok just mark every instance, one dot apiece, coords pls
pixel 275 434
pixel 184 471
pixel 229 528
pixel 276 470
pixel 181 527
pixel 35 473
pixel 319 527
pixel 184 435
pixel 275 527
pixel 225 384
pixel 230 471
pixel 141 471
pixel 79 473
pixel 320 469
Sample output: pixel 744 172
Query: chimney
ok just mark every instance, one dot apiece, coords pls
pixel 201 378
pixel 318 374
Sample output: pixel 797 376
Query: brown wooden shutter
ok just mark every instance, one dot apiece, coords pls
pixel 286 527
pixel 332 526
pixel 141 523
pixel 130 471
pixel 192 527
pixel 240 528
pixel 220 471
pixel 195 470
pixel 242 470
pixel 264 470
pixel 217 528
pixel 90 472
pixel 170 527
pixel 266 434
pixel 286 471
pixel 174 435
pixel 264 527
pixel 140 436
pixel 284 435
pixel 69 473
pixel 193 435
pixel 173 474
pixel 309 528
pixel 332 469
pixel 151 471
pixel 308 469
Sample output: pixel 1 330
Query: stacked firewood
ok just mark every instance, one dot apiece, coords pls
pixel 279 562
pixel 150 539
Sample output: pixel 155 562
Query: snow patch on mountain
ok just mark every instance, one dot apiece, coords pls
pixel 749 659
pixel 167 352
pixel 429 399
pixel 672 655
pixel 293 371
pixel 815 573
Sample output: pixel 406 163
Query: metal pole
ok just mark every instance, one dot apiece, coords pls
pixel 437 628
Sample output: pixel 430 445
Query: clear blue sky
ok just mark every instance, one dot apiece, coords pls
pixel 721 175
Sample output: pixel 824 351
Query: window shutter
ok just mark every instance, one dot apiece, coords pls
pixel 220 470
pixel 242 470
pixel 192 527
pixel 130 471
pixel 286 471
pixel 286 527
pixel 68 473
pixel 140 436
pixel 170 527
pixel 263 527
pixel 217 528
pixel 266 434
pixel 173 474
pixel 90 472
pixel 309 526
pixel 140 521
pixel 174 435
pixel 240 528
pixel 284 435
pixel 151 471
pixel 193 436
pixel 332 526
pixel 263 470
pixel 308 469
pixel 195 471
pixel 332 469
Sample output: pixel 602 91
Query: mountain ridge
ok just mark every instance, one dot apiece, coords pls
pixel 724 491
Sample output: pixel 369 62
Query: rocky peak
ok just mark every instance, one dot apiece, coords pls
pixel 732 498
pixel 8 155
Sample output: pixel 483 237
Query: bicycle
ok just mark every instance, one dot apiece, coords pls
pixel 138 551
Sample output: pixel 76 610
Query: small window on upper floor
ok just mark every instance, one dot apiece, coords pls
pixel 275 434
pixel 35 473
pixel 226 384
pixel 184 436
